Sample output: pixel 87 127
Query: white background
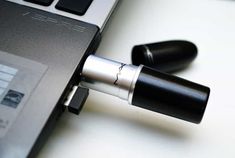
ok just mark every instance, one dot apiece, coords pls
pixel 109 127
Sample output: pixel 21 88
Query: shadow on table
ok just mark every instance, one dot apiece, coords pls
pixel 143 120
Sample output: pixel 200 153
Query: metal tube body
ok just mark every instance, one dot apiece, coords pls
pixel 110 77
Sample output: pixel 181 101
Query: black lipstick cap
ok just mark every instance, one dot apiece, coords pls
pixel 168 56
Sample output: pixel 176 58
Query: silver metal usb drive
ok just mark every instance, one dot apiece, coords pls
pixel 146 88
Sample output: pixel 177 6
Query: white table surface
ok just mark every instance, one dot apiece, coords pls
pixel 109 127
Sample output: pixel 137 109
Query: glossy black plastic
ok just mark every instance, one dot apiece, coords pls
pixel 170 95
pixel 168 56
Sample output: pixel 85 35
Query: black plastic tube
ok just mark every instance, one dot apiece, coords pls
pixel 170 95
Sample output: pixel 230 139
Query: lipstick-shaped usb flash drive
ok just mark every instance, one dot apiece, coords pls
pixel 146 88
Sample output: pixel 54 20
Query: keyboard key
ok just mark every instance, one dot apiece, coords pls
pixel 41 2
pixel 78 7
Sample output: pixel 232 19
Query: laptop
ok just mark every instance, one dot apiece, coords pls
pixel 43 45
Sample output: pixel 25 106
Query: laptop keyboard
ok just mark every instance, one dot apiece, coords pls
pixel 95 12
pixel 41 2
pixel 78 7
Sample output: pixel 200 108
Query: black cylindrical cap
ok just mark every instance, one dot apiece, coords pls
pixel 166 56
pixel 170 95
